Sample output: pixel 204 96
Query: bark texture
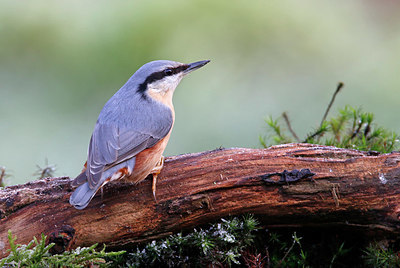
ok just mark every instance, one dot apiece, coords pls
pixel 285 185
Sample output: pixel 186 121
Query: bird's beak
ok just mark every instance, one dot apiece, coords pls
pixel 195 65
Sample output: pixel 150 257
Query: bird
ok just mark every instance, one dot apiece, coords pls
pixel 132 130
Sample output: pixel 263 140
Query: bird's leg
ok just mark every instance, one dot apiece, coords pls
pixel 155 171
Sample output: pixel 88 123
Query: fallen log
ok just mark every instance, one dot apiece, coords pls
pixel 285 185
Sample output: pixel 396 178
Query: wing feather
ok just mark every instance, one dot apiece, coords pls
pixel 114 141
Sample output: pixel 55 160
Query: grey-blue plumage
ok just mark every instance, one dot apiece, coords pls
pixel 81 197
pixel 128 123
pixel 131 121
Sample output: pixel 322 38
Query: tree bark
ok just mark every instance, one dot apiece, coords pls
pixel 285 185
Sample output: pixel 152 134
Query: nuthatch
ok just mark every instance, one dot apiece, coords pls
pixel 132 130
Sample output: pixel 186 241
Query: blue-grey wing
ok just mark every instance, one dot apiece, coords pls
pixel 111 144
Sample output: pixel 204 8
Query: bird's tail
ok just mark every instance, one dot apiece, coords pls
pixel 81 197
pixel 81 179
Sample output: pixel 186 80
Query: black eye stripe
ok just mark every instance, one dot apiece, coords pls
pixel 160 75
pixel 172 71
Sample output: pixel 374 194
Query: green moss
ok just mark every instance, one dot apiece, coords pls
pixel 36 254
pixel 378 255
pixel 351 128
pixel 219 244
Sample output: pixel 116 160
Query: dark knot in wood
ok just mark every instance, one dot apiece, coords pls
pixel 288 176
pixel 62 239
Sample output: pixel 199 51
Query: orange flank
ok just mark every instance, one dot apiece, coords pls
pixel 146 160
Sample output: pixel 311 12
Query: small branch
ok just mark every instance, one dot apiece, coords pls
pixel 338 88
pixel 321 129
pixel 285 116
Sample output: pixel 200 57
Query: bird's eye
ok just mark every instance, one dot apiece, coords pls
pixel 168 72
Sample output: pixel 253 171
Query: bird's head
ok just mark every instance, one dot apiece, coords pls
pixel 158 79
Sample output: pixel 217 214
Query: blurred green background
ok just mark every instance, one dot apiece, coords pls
pixel 61 61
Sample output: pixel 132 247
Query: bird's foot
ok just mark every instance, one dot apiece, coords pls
pixel 155 171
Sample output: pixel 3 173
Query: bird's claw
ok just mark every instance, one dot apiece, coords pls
pixel 156 170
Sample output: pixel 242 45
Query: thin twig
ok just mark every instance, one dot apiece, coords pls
pixel 287 252
pixel 338 88
pixel 319 131
pixel 2 175
pixel 285 116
